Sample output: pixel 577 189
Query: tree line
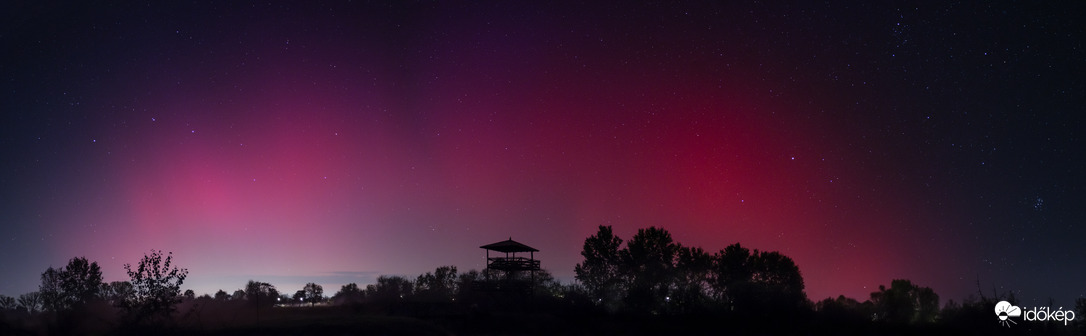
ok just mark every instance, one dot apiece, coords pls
pixel 652 273
pixel 152 292
pixel 648 275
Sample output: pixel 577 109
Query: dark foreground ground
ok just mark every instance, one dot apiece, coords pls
pixel 422 319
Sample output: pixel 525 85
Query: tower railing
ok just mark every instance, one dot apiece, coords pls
pixel 513 264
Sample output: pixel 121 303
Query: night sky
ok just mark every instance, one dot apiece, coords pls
pixel 333 142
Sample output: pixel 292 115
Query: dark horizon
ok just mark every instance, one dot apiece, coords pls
pixel 334 142
pixel 646 285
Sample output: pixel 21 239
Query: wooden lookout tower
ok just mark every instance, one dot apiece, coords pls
pixel 506 271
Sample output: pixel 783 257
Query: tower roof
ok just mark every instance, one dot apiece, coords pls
pixel 509 246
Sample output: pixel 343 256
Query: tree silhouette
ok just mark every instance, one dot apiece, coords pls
pixel 439 285
pixel 31 302
pixel 776 282
pixel 74 285
pixel 189 295
pixel 348 294
pixel 238 295
pixel 467 289
pixel 648 262
pixel 928 303
pixel 390 288
pixel 844 310
pixel 1080 308
pixel 654 274
pixel 731 275
pixel 80 281
pixel 221 295
pixel 118 292
pixel 156 286
pixel 692 265
pixel 314 293
pixel 905 302
pixel 52 295
pixel 758 281
pixel 299 296
pixel 600 271
pixel 7 302
pixel 546 285
pixel 260 294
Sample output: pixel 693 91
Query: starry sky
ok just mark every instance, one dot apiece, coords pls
pixel 333 141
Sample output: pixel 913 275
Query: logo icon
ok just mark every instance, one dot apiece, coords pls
pixel 1004 310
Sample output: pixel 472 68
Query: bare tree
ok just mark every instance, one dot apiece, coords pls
pixel 31 302
pixel 7 302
